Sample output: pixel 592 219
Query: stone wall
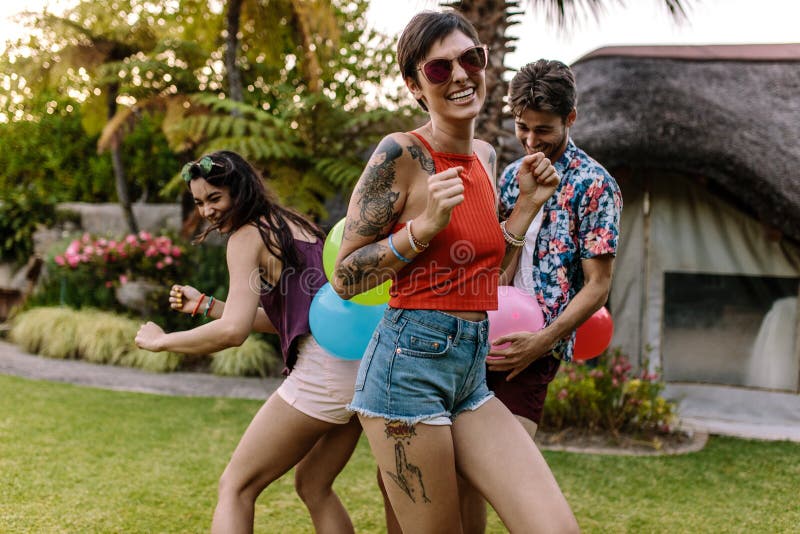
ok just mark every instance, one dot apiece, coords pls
pixel 108 219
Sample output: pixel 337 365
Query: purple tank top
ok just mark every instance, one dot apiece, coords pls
pixel 287 303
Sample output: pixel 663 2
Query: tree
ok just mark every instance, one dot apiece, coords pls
pixel 492 19
pixel 104 55
pixel 306 120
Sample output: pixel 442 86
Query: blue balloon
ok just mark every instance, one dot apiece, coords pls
pixel 341 327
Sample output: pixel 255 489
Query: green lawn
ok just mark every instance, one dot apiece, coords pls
pixel 76 459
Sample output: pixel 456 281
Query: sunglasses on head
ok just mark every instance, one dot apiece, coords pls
pixel 199 168
pixel 440 70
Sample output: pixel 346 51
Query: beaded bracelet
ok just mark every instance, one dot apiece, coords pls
pixel 199 302
pixel 417 245
pixel 397 254
pixel 510 238
pixel 209 306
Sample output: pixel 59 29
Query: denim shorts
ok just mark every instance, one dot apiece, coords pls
pixel 422 366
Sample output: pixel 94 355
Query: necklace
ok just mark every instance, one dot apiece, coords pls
pixel 434 142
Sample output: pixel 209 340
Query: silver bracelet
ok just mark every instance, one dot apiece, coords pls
pixel 411 237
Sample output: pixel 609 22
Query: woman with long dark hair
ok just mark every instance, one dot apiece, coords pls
pixel 274 258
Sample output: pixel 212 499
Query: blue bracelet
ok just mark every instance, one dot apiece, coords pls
pixel 397 254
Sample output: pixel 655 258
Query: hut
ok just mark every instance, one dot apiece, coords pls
pixel 705 144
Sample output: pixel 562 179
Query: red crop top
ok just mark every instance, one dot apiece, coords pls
pixel 460 268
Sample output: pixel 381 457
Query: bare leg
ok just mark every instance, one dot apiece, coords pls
pixel 417 464
pixel 277 438
pixel 392 526
pixel 521 487
pixel 316 472
pixel 473 506
pixel 529 426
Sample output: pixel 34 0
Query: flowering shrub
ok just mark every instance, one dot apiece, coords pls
pixel 608 397
pixel 139 256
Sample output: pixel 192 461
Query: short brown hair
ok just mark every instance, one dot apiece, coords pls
pixel 544 85
pixel 420 34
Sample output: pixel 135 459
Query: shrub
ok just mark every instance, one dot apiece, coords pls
pixel 608 397
pixel 255 357
pixel 90 335
pixel 93 283
pixel 20 214
pixel 136 256
pixel 34 331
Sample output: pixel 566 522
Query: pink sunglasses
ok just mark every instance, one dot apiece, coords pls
pixel 440 70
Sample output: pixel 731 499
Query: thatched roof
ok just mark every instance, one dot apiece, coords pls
pixel 730 114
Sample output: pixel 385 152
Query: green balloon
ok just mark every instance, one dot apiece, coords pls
pixel 373 297
pixel 331 249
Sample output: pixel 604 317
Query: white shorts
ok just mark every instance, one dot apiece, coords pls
pixel 320 385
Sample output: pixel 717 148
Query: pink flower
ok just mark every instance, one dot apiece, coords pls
pixel 159 265
pixel 563 394
pixel 131 239
pixel 145 236
pixel 151 251
pixel 123 279
pixel 73 261
pixel 176 251
pixel 168 260
pixel 59 260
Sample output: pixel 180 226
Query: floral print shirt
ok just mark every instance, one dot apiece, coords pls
pixel 580 221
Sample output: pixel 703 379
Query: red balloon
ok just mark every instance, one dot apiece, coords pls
pixel 593 336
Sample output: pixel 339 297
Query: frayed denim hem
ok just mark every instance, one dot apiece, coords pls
pixel 475 405
pixel 424 419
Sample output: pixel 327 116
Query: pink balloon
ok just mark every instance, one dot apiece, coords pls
pixel 517 311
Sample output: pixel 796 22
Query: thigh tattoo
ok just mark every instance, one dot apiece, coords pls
pixel 408 476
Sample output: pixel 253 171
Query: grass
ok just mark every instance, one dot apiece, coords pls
pixel 76 459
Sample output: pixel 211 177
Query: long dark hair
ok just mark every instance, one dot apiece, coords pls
pixel 251 203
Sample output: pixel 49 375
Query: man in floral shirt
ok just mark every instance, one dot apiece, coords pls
pixel 568 258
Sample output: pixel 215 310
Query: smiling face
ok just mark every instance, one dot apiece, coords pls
pixel 212 202
pixel 543 131
pixel 462 96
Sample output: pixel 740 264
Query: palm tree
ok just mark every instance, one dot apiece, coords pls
pixel 90 48
pixel 492 19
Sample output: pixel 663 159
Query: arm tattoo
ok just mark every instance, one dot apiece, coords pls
pixel 425 161
pixel 493 161
pixel 360 264
pixel 408 476
pixel 376 198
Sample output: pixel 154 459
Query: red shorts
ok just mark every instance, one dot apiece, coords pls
pixel 524 395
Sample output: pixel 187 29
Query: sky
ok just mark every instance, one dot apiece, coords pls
pixel 642 22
